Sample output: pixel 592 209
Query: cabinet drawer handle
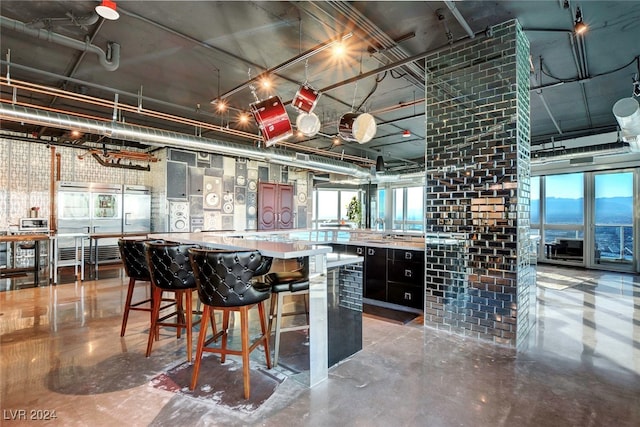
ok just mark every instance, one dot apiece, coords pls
pixel 371 251
pixel 408 255
pixel 408 273
pixel 359 251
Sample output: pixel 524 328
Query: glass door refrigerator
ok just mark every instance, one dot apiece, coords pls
pixel 106 218
pixel 74 212
pixel 136 209
pixel 74 217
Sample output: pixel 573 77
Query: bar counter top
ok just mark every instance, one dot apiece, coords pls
pixel 380 239
pixel 306 242
pixel 269 244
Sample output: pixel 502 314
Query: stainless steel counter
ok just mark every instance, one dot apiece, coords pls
pixel 277 245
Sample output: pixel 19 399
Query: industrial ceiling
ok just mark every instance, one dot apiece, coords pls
pixel 169 65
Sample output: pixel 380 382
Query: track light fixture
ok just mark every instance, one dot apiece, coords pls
pixel 579 26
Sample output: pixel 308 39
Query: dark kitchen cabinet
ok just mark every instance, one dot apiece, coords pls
pixel 405 278
pixel 394 276
pixel 275 206
pixel 375 274
pixel 355 250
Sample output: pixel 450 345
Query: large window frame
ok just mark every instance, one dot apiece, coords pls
pixel 408 209
pixel 330 205
pixel 587 227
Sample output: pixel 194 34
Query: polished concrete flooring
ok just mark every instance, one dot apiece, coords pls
pixel 61 351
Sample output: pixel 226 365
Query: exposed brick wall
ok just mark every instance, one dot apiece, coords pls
pixel 477 185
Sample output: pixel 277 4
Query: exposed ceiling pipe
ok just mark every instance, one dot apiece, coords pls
pixel 456 13
pixel 120 165
pixel 546 107
pixel 200 125
pixel 392 52
pixel 395 65
pixel 109 59
pixel 538 79
pixel 70 20
pixel 161 138
pixel 280 67
pixel 413 177
pixel 213 48
pixel 576 152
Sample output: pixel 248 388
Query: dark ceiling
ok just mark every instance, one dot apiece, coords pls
pixel 177 57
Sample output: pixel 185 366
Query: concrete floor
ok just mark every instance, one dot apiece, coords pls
pixel 61 351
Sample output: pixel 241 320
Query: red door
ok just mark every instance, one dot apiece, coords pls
pixel 275 206
pixel 267 206
pixel 285 211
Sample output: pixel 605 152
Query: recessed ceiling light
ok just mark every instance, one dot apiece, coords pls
pixel 107 9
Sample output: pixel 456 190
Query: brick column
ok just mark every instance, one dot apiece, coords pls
pixel 479 283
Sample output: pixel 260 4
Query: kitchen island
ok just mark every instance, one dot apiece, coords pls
pixel 325 302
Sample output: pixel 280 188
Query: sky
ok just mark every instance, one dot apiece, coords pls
pixel 571 186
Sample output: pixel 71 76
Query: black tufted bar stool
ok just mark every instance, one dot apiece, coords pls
pixel 287 284
pixel 170 271
pixel 225 281
pixel 132 253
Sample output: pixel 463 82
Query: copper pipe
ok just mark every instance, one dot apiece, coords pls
pixel 149 113
pixel 52 190
pixel 110 105
pixel 58 166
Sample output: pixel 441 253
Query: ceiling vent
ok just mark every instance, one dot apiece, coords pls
pixel 301 157
pixel 581 160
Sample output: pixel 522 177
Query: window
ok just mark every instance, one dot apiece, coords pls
pixel 408 209
pixel 379 214
pixel 613 213
pixel 398 208
pixel 564 199
pixel 330 205
pixel 564 207
pixel 602 200
pixel 415 208
pixel 327 205
pixel 535 201
pixel 345 199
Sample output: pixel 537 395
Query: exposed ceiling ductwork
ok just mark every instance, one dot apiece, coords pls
pixel 109 59
pixel 162 138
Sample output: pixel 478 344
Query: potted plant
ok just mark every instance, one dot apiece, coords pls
pixel 354 211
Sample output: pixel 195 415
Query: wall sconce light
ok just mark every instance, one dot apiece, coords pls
pixel 107 9
pixel 579 26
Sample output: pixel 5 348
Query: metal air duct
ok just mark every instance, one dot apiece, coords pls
pixel 162 138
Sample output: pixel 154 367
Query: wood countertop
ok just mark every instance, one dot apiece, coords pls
pixel 24 237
